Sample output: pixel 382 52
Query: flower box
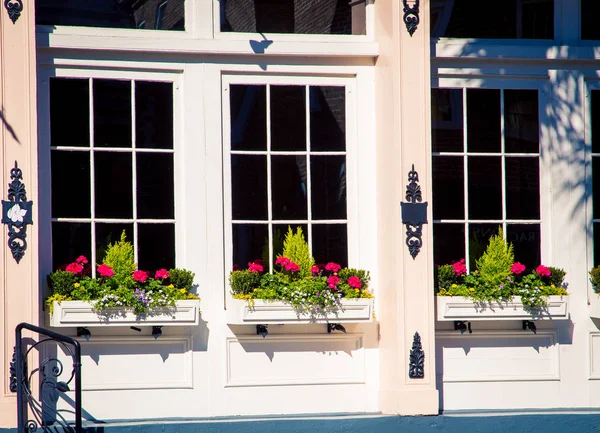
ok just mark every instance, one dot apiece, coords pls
pixel 594 305
pixel 82 314
pixel 451 308
pixel 264 312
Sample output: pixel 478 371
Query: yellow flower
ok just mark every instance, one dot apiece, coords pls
pixel 356 290
pixel 182 291
pixel 170 286
pixel 76 285
pixel 453 286
pixel 471 289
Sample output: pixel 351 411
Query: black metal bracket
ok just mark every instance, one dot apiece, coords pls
pixel 84 332
pixel 411 16
pixel 414 213
pixel 156 331
pixel 528 325
pixel 14 9
pixel 335 327
pixel 262 330
pixel 462 326
pixel 16 214
pixel 416 359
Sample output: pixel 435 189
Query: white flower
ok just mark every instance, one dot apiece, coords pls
pixel 16 214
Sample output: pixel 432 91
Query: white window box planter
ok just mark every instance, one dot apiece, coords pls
pixel 82 314
pixel 451 308
pixel 279 313
pixel 594 304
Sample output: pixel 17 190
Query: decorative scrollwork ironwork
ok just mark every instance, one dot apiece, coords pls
pixel 414 213
pixel 416 368
pixel 14 9
pixel 41 413
pixel 411 16
pixel 16 214
pixel 13 372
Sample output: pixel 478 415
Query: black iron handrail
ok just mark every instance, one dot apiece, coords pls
pixel 44 413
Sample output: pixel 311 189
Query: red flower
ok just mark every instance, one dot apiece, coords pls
pixel 459 267
pixel 542 271
pixel 74 268
pixel 283 261
pixel 236 267
pixel 140 276
pixel 292 267
pixel 314 269
pixel 255 267
pixel 105 271
pixel 354 281
pixel 333 267
pixel 332 281
pixel 517 268
pixel 161 274
pixel 81 260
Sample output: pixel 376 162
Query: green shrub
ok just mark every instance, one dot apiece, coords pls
pixel 296 249
pixel 446 276
pixel 243 282
pixel 557 276
pixel 181 278
pixel 495 263
pixel 120 257
pixel 595 278
pixel 62 282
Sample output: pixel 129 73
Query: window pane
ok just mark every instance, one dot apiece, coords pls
pixel 156 246
pixel 128 14
pixel 327 118
pixel 483 120
pixel 289 187
pixel 479 236
pixel 248 117
pixel 112 113
pixel 521 121
pixel 112 185
pixel 448 243
pixel 155 190
pixel 522 188
pixel 288 118
pixel 526 243
pixel 330 243
pixel 279 233
pixel 447 134
pixel 596 244
pixel 448 187
pixel 69 112
pixel 154 115
pixel 328 181
pixel 250 243
pixel 289 16
pixel 485 192
pixel 596 186
pixel 69 241
pixel 589 20
pixel 70 184
pixel 596 121
pixel 107 234
pixel 508 19
pixel 249 187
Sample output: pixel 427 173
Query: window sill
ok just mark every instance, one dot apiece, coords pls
pixel 458 308
pixel 281 313
pixel 81 314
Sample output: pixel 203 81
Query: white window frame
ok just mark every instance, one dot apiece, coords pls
pixel 45 186
pixel 591 85
pixel 544 164
pixel 351 153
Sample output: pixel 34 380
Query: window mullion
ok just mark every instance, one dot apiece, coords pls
pixel 93 258
pixel 308 172
pixel 136 241
pixel 269 180
pixel 466 176
pixel 503 163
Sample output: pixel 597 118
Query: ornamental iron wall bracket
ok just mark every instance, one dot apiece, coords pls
pixel 14 9
pixel 16 214
pixel 414 214
pixel 411 16
pixel 416 366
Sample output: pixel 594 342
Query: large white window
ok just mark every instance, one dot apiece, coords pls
pixel 288 164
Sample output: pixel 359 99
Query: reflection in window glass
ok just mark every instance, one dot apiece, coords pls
pixel 447 132
pixel 335 17
pixel 507 19
pixel 125 14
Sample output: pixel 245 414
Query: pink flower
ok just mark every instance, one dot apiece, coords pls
pixel 332 281
pixel 81 260
pixel 459 267
pixel 161 274
pixel 236 267
pixel 282 261
pixel 354 281
pixel 255 267
pixel 517 268
pixel 74 268
pixel 105 271
pixel 333 267
pixel 292 267
pixel 140 276
pixel 314 269
pixel 542 271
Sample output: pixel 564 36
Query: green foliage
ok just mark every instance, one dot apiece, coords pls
pixel 57 297
pixel 495 263
pixel 446 276
pixel 296 249
pixel 181 278
pixel 243 281
pixel 595 278
pixel 557 276
pixel 120 257
pixel 62 282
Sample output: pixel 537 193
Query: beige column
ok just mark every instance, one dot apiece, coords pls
pixel 403 125
pixel 18 142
